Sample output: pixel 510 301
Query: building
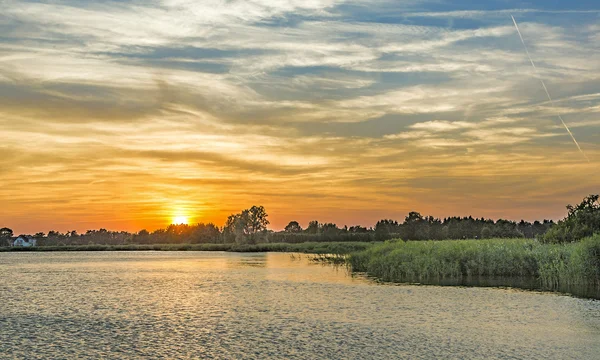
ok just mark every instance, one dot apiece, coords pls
pixel 25 241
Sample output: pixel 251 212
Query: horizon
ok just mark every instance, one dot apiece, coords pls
pixel 116 116
pixel 188 221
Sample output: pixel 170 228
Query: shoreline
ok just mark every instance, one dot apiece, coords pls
pixel 308 248
pixel 569 269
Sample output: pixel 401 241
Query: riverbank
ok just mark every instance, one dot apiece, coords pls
pixel 550 266
pixel 308 248
pixel 519 263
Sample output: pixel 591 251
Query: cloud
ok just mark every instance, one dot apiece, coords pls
pixel 442 125
pixel 488 133
pixel 114 112
pixel 502 12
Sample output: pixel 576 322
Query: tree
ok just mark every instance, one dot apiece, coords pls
pixel 233 231
pixel 245 227
pixel 415 227
pixel 54 234
pixel 358 229
pixel 313 227
pixel 142 237
pixel 386 229
pixel 582 220
pixel 526 228
pixel 257 219
pixel 293 227
pixel 330 228
pixel 205 233
pixel 6 235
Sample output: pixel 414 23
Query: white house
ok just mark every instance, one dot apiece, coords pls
pixel 25 241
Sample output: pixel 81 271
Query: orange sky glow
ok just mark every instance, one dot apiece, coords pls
pixel 119 118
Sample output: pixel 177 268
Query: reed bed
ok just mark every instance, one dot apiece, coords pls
pixel 553 265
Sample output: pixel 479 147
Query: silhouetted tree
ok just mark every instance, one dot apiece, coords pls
pixel 246 226
pixel 330 228
pixel 313 227
pixel 357 229
pixel 293 227
pixel 205 233
pixel 415 227
pixel 386 229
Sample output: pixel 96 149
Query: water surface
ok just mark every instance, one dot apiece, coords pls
pixel 181 305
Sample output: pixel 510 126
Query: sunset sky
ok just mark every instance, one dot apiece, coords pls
pixel 127 114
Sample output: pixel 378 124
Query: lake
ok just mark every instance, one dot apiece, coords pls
pixel 180 305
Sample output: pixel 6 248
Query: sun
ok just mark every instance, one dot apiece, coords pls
pixel 180 220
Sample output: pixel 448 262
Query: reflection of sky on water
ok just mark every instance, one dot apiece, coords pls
pixel 224 305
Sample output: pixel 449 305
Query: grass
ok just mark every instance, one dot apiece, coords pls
pixel 309 248
pixel 552 265
pixel 329 258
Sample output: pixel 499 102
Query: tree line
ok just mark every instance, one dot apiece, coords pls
pixel 250 227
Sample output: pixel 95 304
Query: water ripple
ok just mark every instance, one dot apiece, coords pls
pixel 181 305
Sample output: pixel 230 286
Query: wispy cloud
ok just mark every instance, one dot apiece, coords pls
pixel 497 12
pixel 115 112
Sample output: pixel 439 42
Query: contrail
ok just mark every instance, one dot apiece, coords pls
pixel 546 89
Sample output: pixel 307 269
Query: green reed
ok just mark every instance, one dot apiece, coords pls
pixel 422 261
pixel 313 247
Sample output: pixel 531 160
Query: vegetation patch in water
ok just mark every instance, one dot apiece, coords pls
pixel 552 265
pixel 335 259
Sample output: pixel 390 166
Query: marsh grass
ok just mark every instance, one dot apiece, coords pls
pixel 551 265
pixel 335 259
pixel 309 248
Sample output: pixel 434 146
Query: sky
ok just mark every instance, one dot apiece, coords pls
pixel 126 114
